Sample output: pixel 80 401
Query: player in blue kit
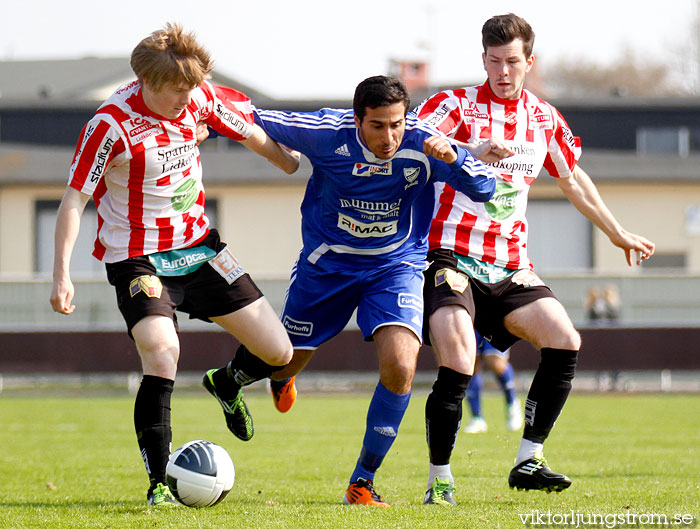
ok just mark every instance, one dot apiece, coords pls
pixel 365 220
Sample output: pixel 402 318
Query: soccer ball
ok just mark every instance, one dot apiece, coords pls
pixel 200 473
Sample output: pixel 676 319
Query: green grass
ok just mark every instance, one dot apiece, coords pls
pixel 72 461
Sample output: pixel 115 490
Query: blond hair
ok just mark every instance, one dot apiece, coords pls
pixel 170 56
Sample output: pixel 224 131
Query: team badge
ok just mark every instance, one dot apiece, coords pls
pixel 457 281
pixel 149 285
pixel 527 278
pixel 411 176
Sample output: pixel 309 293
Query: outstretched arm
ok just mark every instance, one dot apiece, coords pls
pixel 67 227
pixel 583 194
pixel 262 144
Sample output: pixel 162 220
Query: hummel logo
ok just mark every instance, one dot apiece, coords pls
pixel 385 430
pixel 343 150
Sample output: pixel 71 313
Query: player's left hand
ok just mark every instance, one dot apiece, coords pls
pixel 440 149
pixel 202 132
pixel 636 247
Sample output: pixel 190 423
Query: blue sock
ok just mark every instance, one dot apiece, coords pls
pixel 383 419
pixel 507 381
pixel 474 395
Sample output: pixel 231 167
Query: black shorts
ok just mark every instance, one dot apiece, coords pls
pixel 487 304
pixel 202 294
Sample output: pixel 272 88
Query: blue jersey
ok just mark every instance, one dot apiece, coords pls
pixel 359 205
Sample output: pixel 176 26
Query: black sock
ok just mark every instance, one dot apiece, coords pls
pixel 152 424
pixel 244 369
pixel 443 413
pixel 548 392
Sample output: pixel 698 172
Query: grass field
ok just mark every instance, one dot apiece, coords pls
pixel 72 461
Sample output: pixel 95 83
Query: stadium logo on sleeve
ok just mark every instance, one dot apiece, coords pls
pixel 368 169
pixel 300 328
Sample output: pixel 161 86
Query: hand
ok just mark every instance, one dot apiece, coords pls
pixel 490 151
pixel 631 242
pixel 440 149
pixel 202 132
pixel 62 296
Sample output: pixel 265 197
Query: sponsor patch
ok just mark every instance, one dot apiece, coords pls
pixel 527 278
pixel 138 129
pixel 149 285
pixel 227 265
pixel 457 281
pixel 411 301
pixel 185 196
pixel 364 230
pixel 472 113
pixel 300 328
pixel 504 201
pixel 369 169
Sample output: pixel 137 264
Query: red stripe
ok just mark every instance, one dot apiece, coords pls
pixel 166 234
pixel 99 249
pixel 463 232
pixel 137 229
pixel 489 252
pixel 513 245
pixel 445 200
pixel 482 97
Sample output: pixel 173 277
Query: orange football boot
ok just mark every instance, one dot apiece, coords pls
pixel 362 493
pixel 285 396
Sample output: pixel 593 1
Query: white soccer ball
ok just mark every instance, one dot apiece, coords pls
pixel 200 473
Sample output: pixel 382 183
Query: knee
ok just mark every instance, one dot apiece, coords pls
pixel 281 355
pixel 159 359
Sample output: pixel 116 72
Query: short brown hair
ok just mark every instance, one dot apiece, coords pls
pixel 170 56
pixel 504 29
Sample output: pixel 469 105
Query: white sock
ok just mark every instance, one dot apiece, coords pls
pixel 528 450
pixel 439 471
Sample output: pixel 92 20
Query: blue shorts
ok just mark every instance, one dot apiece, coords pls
pixel 320 300
pixel 484 348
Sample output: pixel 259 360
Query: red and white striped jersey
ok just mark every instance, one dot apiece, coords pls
pixel 496 231
pixel 144 171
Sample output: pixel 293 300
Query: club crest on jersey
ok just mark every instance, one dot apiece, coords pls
pixel 457 281
pixel 138 129
pixel 411 176
pixel 149 285
pixel 370 169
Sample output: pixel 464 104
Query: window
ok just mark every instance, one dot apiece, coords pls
pixel 668 140
pixel 559 237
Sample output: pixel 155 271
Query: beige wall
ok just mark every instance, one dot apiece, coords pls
pixel 261 223
pixel 656 211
